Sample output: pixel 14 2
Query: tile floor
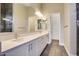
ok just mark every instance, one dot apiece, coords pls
pixel 54 50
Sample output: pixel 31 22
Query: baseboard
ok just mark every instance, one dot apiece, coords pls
pixel 69 54
pixel 54 39
pixel 49 43
pixel 61 44
pixel 67 51
pixel 72 54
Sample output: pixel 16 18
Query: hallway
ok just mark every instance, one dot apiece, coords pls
pixel 54 50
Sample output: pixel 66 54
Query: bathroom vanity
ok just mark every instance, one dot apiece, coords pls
pixel 27 45
pixel 16 20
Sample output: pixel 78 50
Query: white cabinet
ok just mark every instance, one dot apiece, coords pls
pixel 32 48
pixel 38 46
pixel 18 51
pixel 27 49
pixel 41 43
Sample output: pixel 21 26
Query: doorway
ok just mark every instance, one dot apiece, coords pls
pixel 55 24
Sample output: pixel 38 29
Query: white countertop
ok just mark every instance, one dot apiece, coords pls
pixel 11 43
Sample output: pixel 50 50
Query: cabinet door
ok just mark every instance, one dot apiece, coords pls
pixel 38 46
pixel 32 48
pixel 28 49
pixel 43 43
pixel 46 37
pixel 18 51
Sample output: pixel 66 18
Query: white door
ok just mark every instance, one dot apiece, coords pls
pixel 55 26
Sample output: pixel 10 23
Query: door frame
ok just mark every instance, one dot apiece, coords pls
pixel 60 29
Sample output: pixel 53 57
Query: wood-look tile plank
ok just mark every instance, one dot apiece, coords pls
pixel 54 50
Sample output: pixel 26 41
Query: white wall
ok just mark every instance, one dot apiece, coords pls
pixel 70 28
pixel 20 21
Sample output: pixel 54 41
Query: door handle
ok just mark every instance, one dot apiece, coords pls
pixel 31 46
